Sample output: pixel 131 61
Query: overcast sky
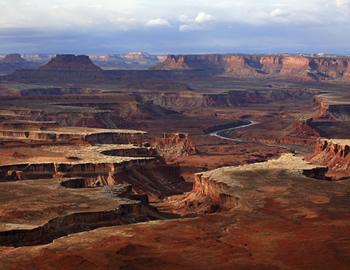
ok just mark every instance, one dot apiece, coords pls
pixel 175 26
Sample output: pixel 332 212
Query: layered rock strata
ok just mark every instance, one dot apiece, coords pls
pixel 335 155
pixel 303 67
pixel 332 108
pixel 74 134
pixel 230 188
pixel 186 99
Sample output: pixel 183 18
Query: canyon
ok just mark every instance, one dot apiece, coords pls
pixel 196 162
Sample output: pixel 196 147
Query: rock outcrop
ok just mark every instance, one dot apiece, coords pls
pixel 332 109
pixel 173 145
pixel 231 188
pixel 304 130
pixel 335 155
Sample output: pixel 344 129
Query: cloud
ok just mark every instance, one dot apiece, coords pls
pixel 203 17
pixel 200 22
pixel 62 25
pixel 184 18
pixel 343 5
pixel 158 22
pixel 278 12
pixel 185 28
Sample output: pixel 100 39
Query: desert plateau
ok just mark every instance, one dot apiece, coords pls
pixel 164 136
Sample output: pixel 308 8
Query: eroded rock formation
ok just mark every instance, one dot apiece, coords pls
pixel 70 62
pixel 334 154
pixel 235 187
pixel 173 145
pixel 331 108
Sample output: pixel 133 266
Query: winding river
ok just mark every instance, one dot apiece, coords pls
pixel 222 134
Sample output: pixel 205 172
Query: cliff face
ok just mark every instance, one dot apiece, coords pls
pixel 295 65
pixel 335 154
pixel 241 66
pixel 334 111
pixel 271 64
pixel 332 68
pixel 185 99
pixel 290 66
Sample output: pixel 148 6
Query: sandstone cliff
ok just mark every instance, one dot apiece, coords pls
pixel 329 109
pixel 286 66
pixel 335 154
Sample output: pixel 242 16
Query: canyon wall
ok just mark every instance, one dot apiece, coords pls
pixel 288 66
pixel 328 109
pixel 335 154
pixel 187 99
pixel 127 213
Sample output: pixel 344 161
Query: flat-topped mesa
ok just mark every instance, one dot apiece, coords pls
pixel 70 62
pixel 13 62
pixel 95 166
pixel 335 154
pixel 236 187
pixel 289 66
pixel 14 58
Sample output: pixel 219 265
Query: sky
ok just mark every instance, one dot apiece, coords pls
pixel 175 26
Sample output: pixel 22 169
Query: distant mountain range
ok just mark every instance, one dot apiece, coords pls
pixel 110 67
pixel 12 62
pixel 132 60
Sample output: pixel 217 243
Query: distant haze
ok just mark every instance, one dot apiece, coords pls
pixel 169 26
